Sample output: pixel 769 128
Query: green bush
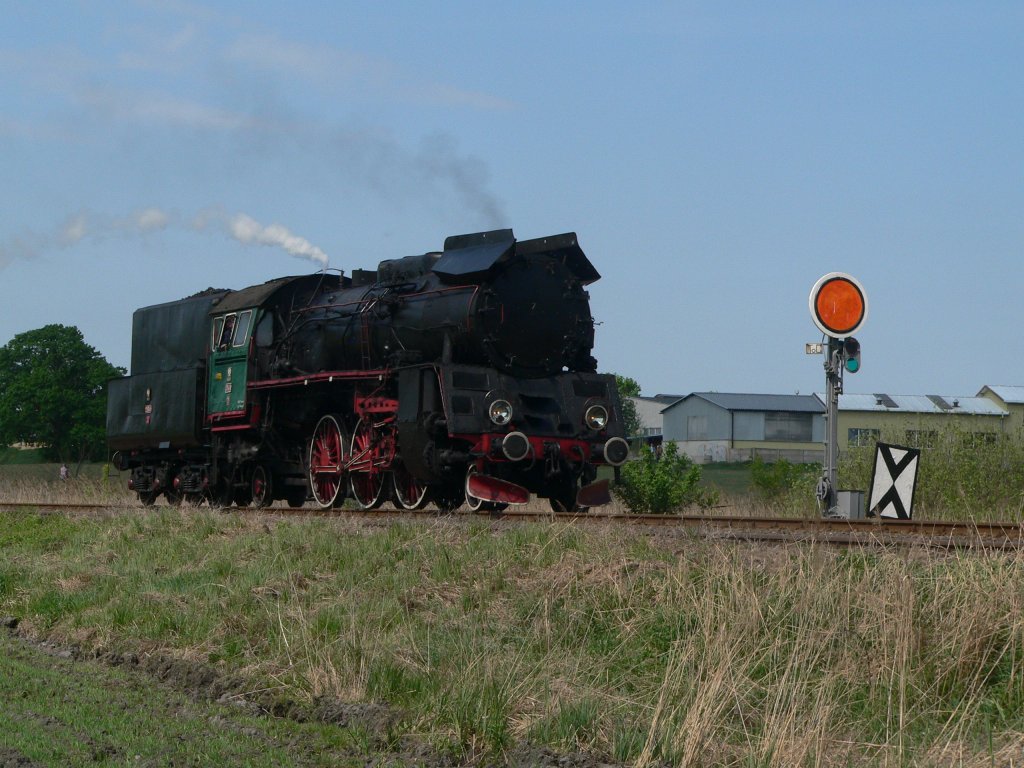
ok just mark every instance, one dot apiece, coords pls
pixel 661 484
pixel 961 473
pixel 774 480
pixel 784 486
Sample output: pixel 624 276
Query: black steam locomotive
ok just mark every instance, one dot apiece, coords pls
pixel 463 376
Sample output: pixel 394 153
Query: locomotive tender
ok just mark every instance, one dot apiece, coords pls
pixel 459 376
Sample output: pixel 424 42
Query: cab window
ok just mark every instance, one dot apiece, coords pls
pixel 242 328
pixel 218 326
pixel 227 331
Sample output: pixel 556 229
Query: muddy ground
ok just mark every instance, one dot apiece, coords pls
pixel 175 690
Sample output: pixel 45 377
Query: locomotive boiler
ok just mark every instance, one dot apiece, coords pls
pixel 459 376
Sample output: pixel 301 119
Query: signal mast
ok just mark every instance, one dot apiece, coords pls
pixel 839 307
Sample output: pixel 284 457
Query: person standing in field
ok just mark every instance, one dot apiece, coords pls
pixel 63 472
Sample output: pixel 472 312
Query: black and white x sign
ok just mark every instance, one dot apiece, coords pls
pixel 893 481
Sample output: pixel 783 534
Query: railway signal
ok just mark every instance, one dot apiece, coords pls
pixel 838 304
pixel 851 354
pixel 839 307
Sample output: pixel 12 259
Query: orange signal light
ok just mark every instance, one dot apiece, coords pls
pixel 838 304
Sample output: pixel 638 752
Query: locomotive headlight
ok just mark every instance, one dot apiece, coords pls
pixel 596 417
pixel 500 412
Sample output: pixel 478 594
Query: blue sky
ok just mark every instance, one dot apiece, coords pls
pixel 714 158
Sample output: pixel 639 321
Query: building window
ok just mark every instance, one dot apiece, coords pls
pixel 788 427
pixel 862 436
pixel 697 428
pixel 979 439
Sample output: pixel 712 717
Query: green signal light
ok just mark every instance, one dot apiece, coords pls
pixel 851 354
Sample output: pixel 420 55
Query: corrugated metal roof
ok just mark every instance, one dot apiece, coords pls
pixel 1006 392
pixel 882 403
pixel 667 399
pixel 660 399
pixel 752 402
pixel 978 406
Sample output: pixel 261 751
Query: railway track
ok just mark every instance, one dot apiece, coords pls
pixel 941 534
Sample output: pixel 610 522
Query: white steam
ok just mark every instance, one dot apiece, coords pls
pixel 247 230
pixel 151 219
pixel 239 226
pixel 73 231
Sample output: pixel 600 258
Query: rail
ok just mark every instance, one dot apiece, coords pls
pixel 943 534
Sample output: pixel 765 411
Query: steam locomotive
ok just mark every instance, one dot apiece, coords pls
pixel 460 376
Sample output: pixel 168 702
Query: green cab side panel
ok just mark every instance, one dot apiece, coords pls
pixel 227 384
pixel 154 410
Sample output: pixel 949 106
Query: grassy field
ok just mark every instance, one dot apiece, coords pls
pixel 28 466
pixel 484 642
pixel 11 455
pixel 57 710
pixel 732 480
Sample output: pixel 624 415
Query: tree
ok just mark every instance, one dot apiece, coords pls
pixel 629 388
pixel 53 390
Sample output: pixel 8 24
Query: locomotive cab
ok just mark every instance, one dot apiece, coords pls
pixel 229 363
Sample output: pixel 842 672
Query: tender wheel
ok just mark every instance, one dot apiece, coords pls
pixel 326 471
pixel 410 493
pixel 147 498
pixel 173 497
pixel 366 485
pixel 260 485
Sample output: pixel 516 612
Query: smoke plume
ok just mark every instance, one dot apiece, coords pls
pixel 84 226
pixel 247 230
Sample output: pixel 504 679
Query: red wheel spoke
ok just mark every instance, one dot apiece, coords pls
pixel 365 479
pixel 325 461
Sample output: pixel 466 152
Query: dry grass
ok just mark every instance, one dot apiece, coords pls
pixel 18 489
pixel 648 651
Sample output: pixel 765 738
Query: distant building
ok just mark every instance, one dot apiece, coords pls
pixel 719 426
pixel 648 411
pixel 1011 400
pixel 915 420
